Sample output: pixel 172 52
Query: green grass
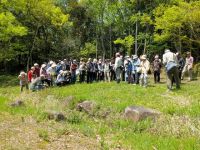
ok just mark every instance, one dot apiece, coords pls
pixel 174 130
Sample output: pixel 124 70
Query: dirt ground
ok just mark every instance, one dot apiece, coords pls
pixel 18 133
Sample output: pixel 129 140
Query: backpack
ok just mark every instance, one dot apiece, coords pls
pixel 170 65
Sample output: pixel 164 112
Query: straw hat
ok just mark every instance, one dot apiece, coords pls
pixel 117 54
pixel 32 68
pixel 61 71
pixel 135 56
pixel 51 62
pixel 144 57
pixel 156 57
pixel 188 53
pixel 22 73
pixel 53 65
pixel 36 64
pixel 167 50
pixel 43 65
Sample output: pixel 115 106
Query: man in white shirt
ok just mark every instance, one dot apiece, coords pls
pixel 171 65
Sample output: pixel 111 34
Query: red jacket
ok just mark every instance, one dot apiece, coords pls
pixel 30 75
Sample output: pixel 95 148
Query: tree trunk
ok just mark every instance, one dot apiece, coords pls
pixel 30 57
pixel 136 37
pixel 145 45
pixel 110 32
pixel 180 41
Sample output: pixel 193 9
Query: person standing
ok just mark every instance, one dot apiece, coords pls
pixel 89 67
pixel 188 66
pixel 37 70
pixel 73 71
pixel 181 64
pixel 31 74
pixel 95 70
pixel 23 80
pixel 145 65
pixel 156 68
pixel 100 70
pixel 82 69
pixel 118 67
pixel 170 62
pixel 112 70
pixel 136 71
pixel 107 71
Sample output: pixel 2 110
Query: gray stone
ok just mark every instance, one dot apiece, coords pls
pixel 87 106
pixel 17 103
pixel 137 113
pixel 58 116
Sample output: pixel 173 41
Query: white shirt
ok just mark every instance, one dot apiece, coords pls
pixel 118 62
pixel 169 56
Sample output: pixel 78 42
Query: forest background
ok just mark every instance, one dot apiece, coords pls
pixel 40 30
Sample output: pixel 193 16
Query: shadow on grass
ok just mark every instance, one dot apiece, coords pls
pixel 8 80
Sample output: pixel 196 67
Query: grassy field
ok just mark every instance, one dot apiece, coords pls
pixel 27 127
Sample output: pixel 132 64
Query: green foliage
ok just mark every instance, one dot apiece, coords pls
pixel 88 51
pixel 127 42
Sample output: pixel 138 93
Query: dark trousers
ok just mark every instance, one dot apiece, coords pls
pixel 136 77
pixel 112 75
pixel 89 77
pixel 156 76
pixel 73 77
pixel 82 76
pixel 94 76
pixel 100 76
pixel 170 74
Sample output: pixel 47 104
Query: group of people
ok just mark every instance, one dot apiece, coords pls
pixel 133 70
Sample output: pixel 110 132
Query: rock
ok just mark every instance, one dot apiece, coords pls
pixel 87 106
pixel 17 103
pixel 137 113
pixel 58 116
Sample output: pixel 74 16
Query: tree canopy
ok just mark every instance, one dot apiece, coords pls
pixel 39 30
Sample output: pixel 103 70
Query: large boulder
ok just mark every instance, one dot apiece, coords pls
pixel 57 116
pixel 17 103
pixel 137 113
pixel 87 106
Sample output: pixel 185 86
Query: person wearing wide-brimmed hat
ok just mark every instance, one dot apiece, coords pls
pixel 51 72
pixel 100 70
pixel 43 72
pixel 157 64
pixel 82 70
pixel 89 69
pixel 37 69
pixel 95 70
pixel 106 70
pixel 145 66
pixel 73 69
pixel 23 80
pixel 36 83
pixel 31 74
pixel 188 66
pixel 135 69
pixel 128 69
pixel 118 66
pixel 171 66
